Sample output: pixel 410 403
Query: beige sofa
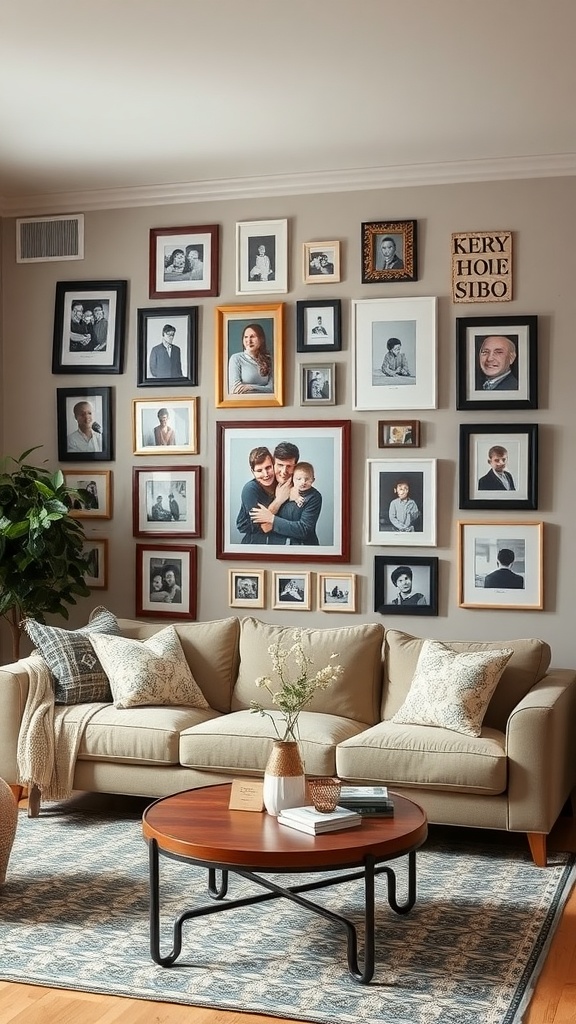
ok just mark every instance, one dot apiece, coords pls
pixel 517 775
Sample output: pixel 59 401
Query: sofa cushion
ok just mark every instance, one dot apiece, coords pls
pixel 355 694
pixel 140 735
pixel 452 689
pixel 152 671
pixel 528 664
pixel 78 675
pixel 425 757
pixel 211 650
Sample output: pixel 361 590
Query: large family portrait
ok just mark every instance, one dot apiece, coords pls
pixel 283 491
pixel 89 327
pixel 394 353
pixel 184 261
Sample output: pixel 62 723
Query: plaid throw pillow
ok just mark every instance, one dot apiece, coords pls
pixel 78 675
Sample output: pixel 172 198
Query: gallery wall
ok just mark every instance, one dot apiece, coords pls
pixel 542 216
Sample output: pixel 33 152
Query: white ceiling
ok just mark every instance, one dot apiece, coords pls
pixel 121 102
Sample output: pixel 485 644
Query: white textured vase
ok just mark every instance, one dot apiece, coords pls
pixel 8 819
pixel 284 780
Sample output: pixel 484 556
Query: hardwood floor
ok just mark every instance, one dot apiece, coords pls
pixel 554 1000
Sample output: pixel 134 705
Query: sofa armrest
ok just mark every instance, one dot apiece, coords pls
pixel 540 747
pixel 13 694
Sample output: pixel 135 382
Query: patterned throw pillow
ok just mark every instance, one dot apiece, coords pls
pixel 78 675
pixel 452 690
pixel 152 671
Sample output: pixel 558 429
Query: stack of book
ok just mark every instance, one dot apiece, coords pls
pixel 369 801
pixel 315 823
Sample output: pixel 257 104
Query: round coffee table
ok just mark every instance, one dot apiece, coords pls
pixel 197 826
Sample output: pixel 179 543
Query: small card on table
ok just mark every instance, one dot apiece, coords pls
pixel 246 796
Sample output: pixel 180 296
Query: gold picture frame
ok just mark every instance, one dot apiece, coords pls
pixel 244 381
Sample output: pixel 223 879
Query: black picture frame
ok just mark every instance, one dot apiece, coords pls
pixel 424 584
pixel 519 390
pixel 516 459
pixel 181 326
pixel 400 238
pixel 96 345
pixel 101 401
pixel 313 318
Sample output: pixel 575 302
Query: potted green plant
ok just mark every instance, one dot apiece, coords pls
pixel 42 565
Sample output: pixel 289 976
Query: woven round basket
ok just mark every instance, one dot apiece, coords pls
pixel 8 820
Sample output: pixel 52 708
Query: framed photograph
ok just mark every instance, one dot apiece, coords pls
pixel 292 589
pixel 165 426
pixel 394 353
pixel 389 251
pixel 499 466
pixel 497 362
pixel 246 588
pixel 318 384
pixel 95 499
pixel 501 565
pixel 184 262
pixel 166 581
pixel 84 418
pixel 283 491
pixel 249 356
pixel 336 592
pixel 261 256
pixel 89 327
pixel 405 586
pixel 95 549
pixel 321 262
pixel 167 502
pixel 401 502
pixel 398 433
pixel 168 347
pixel 319 326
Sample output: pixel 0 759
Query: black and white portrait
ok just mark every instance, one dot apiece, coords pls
pixel 405 586
pixel 394 353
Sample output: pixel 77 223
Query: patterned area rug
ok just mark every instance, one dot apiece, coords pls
pixel 73 915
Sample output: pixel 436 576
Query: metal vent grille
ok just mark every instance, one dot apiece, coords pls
pixel 45 239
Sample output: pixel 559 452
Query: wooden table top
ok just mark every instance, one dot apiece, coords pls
pixel 198 825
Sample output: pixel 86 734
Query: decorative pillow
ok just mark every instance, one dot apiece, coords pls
pixel 452 690
pixel 153 671
pixel 78 675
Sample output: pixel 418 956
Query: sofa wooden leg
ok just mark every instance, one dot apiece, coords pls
pixel 34 802
pixel 537 844
pixel 18 792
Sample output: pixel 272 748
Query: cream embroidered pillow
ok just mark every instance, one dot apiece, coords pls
pixel 452 690
pixel 152 671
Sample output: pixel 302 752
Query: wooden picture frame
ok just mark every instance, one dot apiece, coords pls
pixel 499 466
pixel 89 327
pixel 292 590
pixel 85 424
pixel 250 356
pixel 317 383
pixel 398 433
pixel 167 502
pixel 319 326
pixel 500 565
pixel 167 341
pixel 96 487
pixel 401 502
pixel 96 550
pixel 165 426
pixel 405 585
pixel 246 588
pixel 184 262
pixel 321 262
pixel 261 257
pixel 176 596
pixel 389 251
pixel 336 591
pixel 500 352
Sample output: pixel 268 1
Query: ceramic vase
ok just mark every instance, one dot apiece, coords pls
pixel 8 819
pixel 284 780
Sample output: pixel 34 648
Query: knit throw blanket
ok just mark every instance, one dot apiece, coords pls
pixel 50 735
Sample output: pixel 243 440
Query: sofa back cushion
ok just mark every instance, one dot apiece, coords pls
pixel 210 648
pixel 528 664
pixel 356 693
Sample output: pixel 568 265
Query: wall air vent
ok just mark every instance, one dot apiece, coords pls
pixel 46 239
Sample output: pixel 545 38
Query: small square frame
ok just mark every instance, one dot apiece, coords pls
pixel 399 237
pixel 398 433
pixel 423 573
pixel 292 590
pixel 179 487
pixel 317 383
pixel 152 560
pixel 97 548
pixel 98 484
pixel 81 348
pixel 194 281
pixel 321 262
pixel 479 544
pixel 152 355
pixel 246 588
pixel 101 401
pixel 336 591
pixel 257 272
pixel 520 389
pixel 231 323
pixel 182 417
pixel 382 478
pixel 319 326
pixel 520 442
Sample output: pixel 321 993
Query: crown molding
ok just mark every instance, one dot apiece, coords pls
pixel 269 186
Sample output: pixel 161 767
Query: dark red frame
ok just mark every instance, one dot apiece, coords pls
pixel 171 534
pixel 203 229
pixel 167 611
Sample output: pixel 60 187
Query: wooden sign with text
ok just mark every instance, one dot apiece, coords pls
pixel 482 266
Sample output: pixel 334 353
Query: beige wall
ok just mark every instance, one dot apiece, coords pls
pixel 542 215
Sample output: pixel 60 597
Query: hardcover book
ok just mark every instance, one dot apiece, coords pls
pixel 308 819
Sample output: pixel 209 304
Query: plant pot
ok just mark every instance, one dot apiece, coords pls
pixel 284 780
pixel 8 819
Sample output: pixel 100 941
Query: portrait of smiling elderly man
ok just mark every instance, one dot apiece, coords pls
pixel 496 358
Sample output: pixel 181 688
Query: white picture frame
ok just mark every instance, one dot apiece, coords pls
pixel 388 522
pixel 261 257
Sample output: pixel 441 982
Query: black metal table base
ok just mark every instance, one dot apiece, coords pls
pixel 218 888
